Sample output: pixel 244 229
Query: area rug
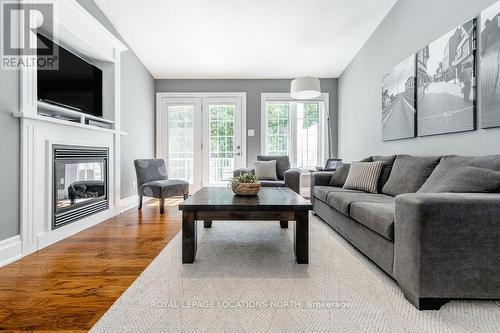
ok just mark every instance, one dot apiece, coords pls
pixel 245 279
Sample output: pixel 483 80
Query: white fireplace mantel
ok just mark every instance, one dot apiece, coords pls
pixel 80 32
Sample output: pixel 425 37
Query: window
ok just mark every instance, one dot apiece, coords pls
pixel 295 128
pixel 278 119
pixel 307 152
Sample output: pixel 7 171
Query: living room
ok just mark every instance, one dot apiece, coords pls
pixel 233 166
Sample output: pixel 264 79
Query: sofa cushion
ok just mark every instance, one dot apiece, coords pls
pixel 342 201
pixel 340 175
pixel 272 183
pixel 462 180
pixel 265 170
pixel 321 192
pixel 487 162
pixel 282 164
pixel 164 188
pixel 386 169
pixel 364 176
pixel 378 217
pixel 409 173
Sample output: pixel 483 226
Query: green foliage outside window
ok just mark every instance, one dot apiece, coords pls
pixel 221 131
pixel 311 114
pixel 278 121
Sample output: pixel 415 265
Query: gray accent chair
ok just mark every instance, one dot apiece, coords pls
pixel 152 181
pixel 287 177
pixel 437 246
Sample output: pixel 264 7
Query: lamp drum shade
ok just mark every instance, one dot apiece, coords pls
pixel 305 88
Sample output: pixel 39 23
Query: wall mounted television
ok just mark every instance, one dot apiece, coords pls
pixel 76 84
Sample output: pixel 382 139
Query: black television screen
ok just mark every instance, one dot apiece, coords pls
pixel 76 83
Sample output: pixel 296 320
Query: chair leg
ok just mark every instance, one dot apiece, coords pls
pixel 162 206
pixel 140 202
pixel 186 196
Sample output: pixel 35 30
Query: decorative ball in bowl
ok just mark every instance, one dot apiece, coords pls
pixel 245 184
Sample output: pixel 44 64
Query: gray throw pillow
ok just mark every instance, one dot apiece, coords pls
pixel 363 176
pixel 266 170
pixel 409 173
pixel 340 175
pixel 491 162
pixel 462 180
pixel 386 169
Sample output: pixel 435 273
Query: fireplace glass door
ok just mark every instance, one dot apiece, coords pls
pixel 80 183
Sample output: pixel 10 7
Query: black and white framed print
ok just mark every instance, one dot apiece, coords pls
pixel 398 101
pixel 445 83
pixel 489 74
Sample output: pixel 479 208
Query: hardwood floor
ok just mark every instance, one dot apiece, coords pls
pixel 70 285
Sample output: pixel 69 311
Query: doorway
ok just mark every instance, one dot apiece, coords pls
pixel 201 136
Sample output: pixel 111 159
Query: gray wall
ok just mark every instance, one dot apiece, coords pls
pixel 9 152
pixel 409 26
pixel 253 89
pixel 138 117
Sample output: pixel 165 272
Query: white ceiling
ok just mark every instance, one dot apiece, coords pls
pixel 245 38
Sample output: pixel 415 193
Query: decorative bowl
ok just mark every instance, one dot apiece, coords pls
pixel 246 188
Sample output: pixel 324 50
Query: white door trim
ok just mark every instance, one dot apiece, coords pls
pixel 242 95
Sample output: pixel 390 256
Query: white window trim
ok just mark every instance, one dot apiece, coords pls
pixel 285 97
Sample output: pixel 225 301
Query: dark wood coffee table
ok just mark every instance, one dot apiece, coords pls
pixel 271 204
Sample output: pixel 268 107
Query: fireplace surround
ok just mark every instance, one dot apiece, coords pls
pixel 80 183
pixel 82 34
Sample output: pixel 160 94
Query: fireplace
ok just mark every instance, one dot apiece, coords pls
pixel 80 183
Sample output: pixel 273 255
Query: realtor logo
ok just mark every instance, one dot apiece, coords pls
pixel 20 45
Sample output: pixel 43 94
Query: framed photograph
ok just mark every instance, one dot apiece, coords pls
pixel 398 101
pixel 490 66
pixel 446 100
pixel 332 164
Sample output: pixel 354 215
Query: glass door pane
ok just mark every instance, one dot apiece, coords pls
pixel 181 139
pixel 222 149
pixel 180 142
pixel 222 139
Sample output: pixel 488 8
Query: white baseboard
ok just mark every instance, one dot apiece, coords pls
pixel 10 250
pixel 131 202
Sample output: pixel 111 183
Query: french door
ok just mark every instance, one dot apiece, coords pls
pixel 200 138
pixel 180 138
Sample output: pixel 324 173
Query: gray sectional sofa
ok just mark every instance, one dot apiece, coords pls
pixel 437 243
